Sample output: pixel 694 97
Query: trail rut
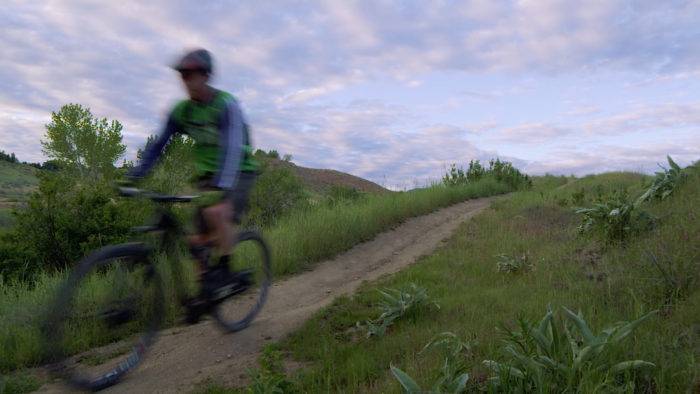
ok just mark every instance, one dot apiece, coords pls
pixel 184 356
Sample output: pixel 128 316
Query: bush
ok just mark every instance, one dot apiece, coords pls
pixel 457 176
pixel 454 375
pixel 67 218
pixel 8 157
pixel 513 264
pixel 397 303
pixel 277 192
pixel 664 184
pixel 343 194
pixel 270 378
pixel 502 171
pixel 560 356
pixel 614 218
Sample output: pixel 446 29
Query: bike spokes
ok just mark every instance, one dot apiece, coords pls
pixel 105 317
pixel 242 297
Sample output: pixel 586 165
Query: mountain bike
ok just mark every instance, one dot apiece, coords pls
pixel 117 296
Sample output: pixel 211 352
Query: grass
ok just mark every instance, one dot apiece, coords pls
pixel 16 182
pixel 297 241
pixel 656 270
pixel 18 383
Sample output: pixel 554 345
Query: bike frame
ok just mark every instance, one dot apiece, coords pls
pixel 171 232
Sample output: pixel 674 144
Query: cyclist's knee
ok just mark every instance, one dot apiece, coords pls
pixel 218 213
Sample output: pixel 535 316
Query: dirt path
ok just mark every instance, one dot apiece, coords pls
pixel 185 356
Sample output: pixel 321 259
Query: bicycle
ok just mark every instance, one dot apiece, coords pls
pixel 119 290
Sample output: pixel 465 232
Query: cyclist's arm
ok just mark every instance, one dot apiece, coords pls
pixel 231 134
pixel 153 150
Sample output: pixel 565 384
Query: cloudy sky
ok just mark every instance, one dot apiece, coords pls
pixel 393 91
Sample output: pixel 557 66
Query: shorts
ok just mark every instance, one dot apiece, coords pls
pixel 238 196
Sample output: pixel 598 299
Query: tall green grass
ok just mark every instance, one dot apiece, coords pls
pixel 297 242
pixel 607 283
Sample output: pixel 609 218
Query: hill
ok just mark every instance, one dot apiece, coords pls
pixel 523 259
pixel 16 182
pixel 321 180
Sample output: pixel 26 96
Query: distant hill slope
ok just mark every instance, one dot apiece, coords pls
pixel 16 182
pixel 320 180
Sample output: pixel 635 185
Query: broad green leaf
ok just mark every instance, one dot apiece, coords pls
pixel 586 353
pixel 629 327
pixel 629 365
pixel 581 325
pixel 408 384
pixel 673 164
pixel 461 383
pixel 553 365
pixel 544 343
pixel 533 366
pixel 498 368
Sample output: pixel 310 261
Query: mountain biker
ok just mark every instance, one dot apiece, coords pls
pixel 225 167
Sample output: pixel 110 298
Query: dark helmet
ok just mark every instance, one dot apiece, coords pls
pixel 198 59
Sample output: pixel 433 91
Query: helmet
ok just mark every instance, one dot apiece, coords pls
pixel 198 59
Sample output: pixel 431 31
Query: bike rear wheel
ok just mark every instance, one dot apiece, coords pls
pixel 105 316
pixel 251 257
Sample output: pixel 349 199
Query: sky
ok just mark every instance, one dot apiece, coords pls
pixel 392 91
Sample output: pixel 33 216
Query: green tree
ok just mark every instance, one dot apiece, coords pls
pixel 175 171
pixel 79 141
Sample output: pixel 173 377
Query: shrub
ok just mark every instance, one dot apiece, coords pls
pixel 395 304
pixel 664 183
pixel 453 377
pixel 343 194
pixel 270 378
pixel 277 192
pixel 513 264
pixel 563 356
pixel 614 218
pixel 66 218
pixel 502 171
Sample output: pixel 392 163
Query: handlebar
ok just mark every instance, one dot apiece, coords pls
pixel 135 192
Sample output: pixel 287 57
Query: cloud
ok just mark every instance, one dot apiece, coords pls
pixel 573 160
pixel 285 60
pixel 531 133
pixel 647 118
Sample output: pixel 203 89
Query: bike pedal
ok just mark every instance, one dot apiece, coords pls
pixel 116 317
pixel 241 282
pixel 195 309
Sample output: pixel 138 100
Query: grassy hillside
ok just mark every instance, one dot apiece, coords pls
pixel 297 242
pixel 16 182
pixel 507 267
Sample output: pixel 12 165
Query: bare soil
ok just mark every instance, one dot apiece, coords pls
pixel 185 356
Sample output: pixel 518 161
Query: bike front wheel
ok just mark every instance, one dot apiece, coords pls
pixel 105 316
pixel 251 260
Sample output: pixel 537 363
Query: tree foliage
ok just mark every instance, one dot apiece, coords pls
pixel 8 157
pixel 79 141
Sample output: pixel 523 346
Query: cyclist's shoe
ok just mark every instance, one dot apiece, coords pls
pixel 195 308
pixel 119 312
pixel 117 316
pixel 223 283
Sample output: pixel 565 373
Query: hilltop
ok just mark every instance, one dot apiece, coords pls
pixel 321 180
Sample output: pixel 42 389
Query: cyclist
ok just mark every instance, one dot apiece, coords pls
pixel 225 167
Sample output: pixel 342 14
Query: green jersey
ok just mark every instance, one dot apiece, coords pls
pixel 221 137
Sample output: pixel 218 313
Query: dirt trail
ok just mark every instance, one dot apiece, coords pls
pixel 185 356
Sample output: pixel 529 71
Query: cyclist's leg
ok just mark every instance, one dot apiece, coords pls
pixel 226 216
